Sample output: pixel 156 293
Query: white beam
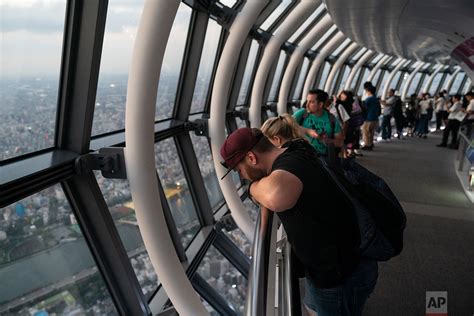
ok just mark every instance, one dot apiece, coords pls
pixel 150 45
pixel 337 65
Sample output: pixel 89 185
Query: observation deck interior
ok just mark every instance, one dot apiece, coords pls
pixel 112 113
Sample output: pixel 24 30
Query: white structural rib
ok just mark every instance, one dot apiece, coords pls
pixel 450 82
pixel 428 83
pixel 337 65
pixel 356 67
pixel 327 49
pixel 392 74
pixel 307 42
pixel 299 14
pixel 238 32
pixel 376 68
pixel 150 44
pixel 410 79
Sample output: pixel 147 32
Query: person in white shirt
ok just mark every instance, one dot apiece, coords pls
pixel 387 109
pixel 456 115
pixel 425 106
pixel 441 110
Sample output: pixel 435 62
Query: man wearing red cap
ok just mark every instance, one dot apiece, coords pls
pixel 319 220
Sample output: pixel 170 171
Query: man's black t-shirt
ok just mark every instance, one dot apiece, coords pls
pixel 322 227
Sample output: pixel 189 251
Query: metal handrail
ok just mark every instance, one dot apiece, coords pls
pixel 258 276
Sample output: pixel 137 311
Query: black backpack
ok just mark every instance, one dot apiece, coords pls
pixel 381 218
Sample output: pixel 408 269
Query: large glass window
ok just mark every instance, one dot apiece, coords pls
pixel 244 88
pixel 176 190
pixel 414 84
pixel 119 38
pixel 120 32
pixel 433 88
pixel 205 66
pixel 301 79
pixel 306 23
pixel 386 73
pixel 467 86
pixel 323 38
pixel 119 200
pixel 268 23
pixel 345 75
pixel 396 78
pixel 224 278
pixel 206 166
pixel 324 75
pixel 31 37
pixel 272 96
pixel 46 267
pixel 172 62
pixel 377 59
pixel 341 47
pixel 365 75
pixel 359 53
pixel 457 83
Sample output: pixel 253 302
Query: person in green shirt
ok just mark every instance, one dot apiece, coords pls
pixel 317 125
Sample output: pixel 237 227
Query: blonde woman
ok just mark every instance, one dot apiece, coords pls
pixel 281 129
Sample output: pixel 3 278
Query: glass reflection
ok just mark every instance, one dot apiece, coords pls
pixel 244 88
pixel 205 66
pixel 29 81
pixel 172 62
pixel 206 166
pixel 301 78
pixel 46 267
pixel 176 190
pixel 224 278
pixel 272 96
pixel 119 200
pixel 275 14
pixel 324 76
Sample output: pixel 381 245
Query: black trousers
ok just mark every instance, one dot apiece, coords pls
pixel 453 127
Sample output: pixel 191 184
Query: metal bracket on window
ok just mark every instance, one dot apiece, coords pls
pixel 289 47
pixel 199 126
pixel 261 36
pixel 270 106
pixel 242 113
pixel 311 54
pixel 110 161
pixel 223 14
pixel 226 222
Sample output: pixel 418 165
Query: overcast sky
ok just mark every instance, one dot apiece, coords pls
pixel 32 34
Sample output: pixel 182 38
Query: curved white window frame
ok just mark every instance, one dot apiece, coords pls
pixel 329 86
pixel 320 28
pixel 368 54
pixel 449 83
pixel 428 83
pixel 389 80
pixel 238 33
pixel 410 79
pixel 152 36
pixel 300 13
pixel 325 51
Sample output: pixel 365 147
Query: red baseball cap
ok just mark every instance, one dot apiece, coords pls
pixel 237 145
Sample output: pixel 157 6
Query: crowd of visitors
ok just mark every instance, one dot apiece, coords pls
pixel 344 125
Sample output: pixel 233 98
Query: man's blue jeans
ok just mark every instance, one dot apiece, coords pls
pixel 347 299
pixel 386 127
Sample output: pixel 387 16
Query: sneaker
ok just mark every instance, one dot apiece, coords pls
pixel 441 145
pixel 388 140
pixel 358 153
pixel 367 147
pixel 425 137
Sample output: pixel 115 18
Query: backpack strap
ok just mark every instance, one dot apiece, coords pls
pixel 303 118
pixel 332 121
